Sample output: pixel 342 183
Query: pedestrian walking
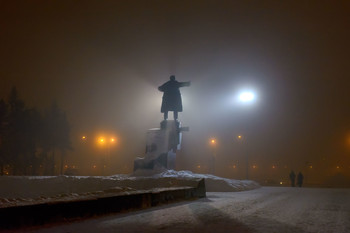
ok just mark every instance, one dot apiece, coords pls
pixel 300 179
pixel 292 178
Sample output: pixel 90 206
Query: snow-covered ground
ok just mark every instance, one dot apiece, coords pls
pixel 264 210
pixel 27 190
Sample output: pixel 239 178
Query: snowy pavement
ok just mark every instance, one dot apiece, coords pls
pixel 29 190
pixel 268 209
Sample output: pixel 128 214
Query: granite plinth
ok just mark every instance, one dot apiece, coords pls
pixel 161 146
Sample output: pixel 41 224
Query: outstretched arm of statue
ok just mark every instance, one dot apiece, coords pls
pixel 185 84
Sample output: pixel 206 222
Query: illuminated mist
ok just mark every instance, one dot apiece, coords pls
pixel 102 62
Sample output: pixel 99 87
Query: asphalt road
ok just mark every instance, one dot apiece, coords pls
pixel 267 209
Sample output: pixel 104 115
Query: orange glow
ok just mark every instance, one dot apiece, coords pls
pixel 239 136
pixel 254 166
pixel 83 137
pixel 213 141
pixel 106 139
pixel 273 166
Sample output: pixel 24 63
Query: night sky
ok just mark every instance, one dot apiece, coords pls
pixel 102 61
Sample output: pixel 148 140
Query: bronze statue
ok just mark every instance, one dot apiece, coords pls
pixel 172 97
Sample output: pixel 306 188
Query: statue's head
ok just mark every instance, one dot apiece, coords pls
pixel 172 77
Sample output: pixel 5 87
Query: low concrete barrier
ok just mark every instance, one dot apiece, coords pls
pixel 38 214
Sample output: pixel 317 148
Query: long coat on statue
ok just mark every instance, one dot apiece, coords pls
pixel 172 97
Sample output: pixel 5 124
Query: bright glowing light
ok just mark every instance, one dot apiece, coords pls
pixel 246 96
pixel 112 140
pixel 239 136
pixel 101 140
pixel 83 137
pixel 213 141
pixel 281 182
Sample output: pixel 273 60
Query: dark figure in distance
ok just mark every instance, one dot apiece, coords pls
pixel 292 178
pixel 300 179
pixel 172 97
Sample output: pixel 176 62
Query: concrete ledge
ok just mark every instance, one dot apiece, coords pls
pixel 38 214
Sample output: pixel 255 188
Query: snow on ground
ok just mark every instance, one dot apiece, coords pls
pixel 264 210
pixel 27 190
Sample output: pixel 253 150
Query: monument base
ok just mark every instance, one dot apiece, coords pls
pixel 165 160
pixel 161 146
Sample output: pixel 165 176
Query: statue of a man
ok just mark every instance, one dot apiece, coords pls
pixel 172 97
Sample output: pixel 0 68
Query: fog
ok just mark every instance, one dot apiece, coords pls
pixel 103 61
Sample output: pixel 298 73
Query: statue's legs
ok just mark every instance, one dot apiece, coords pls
pixel 175 115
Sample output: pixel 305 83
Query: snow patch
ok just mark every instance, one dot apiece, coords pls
pixel 27 190
pixel 213 183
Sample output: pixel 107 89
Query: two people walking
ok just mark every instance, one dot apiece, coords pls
pixel 300 179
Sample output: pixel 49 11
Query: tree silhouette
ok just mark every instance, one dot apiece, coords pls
pixel 15 133
pixel 29 139
pixel 56 135
pixel 3 128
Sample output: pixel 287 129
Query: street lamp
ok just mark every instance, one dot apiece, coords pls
pixel 213 145
pixel 240 138
pixel 112 141
pixel 106 143
pixel 246 97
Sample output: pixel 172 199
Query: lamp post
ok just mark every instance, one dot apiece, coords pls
pixel 102 142
pixel 240 138
pixel 106 143
pixel 245 98
pixel 213 145
pixel 112 141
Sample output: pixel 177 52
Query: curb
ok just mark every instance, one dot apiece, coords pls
pixel 39 214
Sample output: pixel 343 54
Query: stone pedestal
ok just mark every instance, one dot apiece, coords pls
pixel 161 146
